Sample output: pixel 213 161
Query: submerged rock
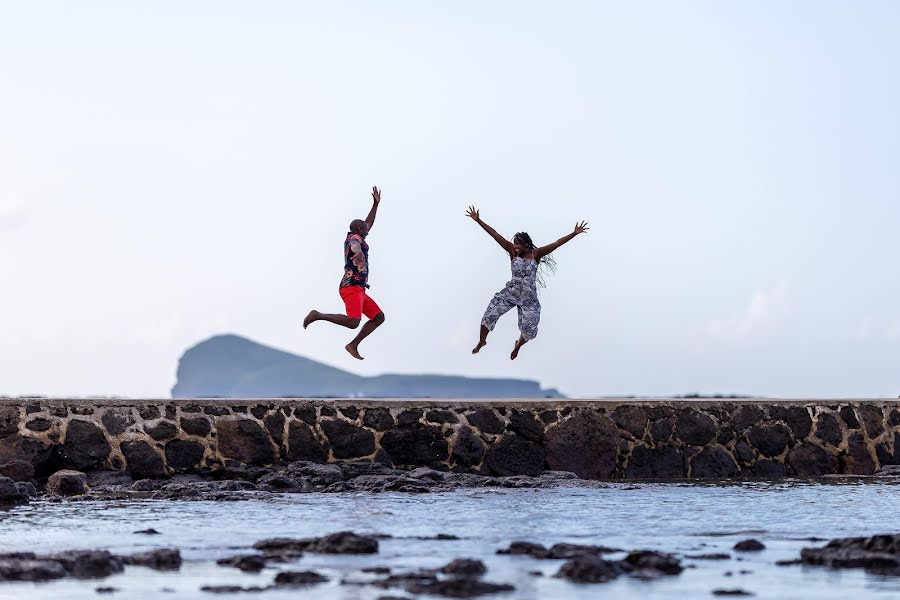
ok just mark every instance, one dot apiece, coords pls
pixel 250 564
pixel 345 542
pixel 164 559
pixel 458 588
pixel 30 570
pixel 291 578
pixel 749 546
pixel 879 553
pixel 464 567
pixel 590 569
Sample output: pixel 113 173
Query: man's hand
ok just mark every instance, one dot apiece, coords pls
pixel 376 195
pixel 472 213
pixel 581 227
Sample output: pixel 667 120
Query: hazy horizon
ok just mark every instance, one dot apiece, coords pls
pixel 172 171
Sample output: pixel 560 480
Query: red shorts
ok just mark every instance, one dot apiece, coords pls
pixel 358 302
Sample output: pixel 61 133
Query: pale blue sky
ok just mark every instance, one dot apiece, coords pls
pixel 173 170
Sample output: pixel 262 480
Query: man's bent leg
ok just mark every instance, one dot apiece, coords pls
pixel 370 326
pixel 342 320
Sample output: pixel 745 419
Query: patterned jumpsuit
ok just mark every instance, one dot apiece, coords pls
pixel 521 292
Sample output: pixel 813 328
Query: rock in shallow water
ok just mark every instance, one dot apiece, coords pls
pixel 749 546
pixel 297 578
pixel 879 553
pixel 12 493
pixel 67 483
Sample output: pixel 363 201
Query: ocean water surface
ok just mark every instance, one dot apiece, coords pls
pixel 678 518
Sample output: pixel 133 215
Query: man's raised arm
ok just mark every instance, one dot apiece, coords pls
pixel 376 200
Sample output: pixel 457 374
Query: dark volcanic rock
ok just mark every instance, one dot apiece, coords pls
pixel 379 419
pixel 873 420
pixel 525 548
pixel 345 542
pixel 303 444
pixel 664 462
pixel 663 429
pixel 713 463
pixel 799 421
pixel 144 462
pixel 163 430
pixel 590 569
pixel 746 416
pixel 250 564
pixel 164 559
pixel 879 553
pixel 807 460
pixel 289 578
pixel 465 567
pixel 409 416
pixel 829 429
pixel 749 546
pixel 415 444
pixel 647 563
pixel 17 470
pixel 694 427
pixel 586 444
pixel 458 587
pixel 85 446
pixel 275 426
pixel 848 415
pixel 88 563
pixel 513 455
pixel 524 424
pixel 67 483
pixel 468 449
pixel 348 440
pixel 24 569
pixel 770 439
pixel 486 420
pixel 244 440
pixel 9 420
pixel 11 494
pixel 712 556
pixel 632 419
pixel 441 416
pixel 196 426
pixel 557 551
pixel 769 469
pixel 183 455
pixel 38 424
pixel 231 589
pixel 731 592
pixel 116 422
pixel 859 459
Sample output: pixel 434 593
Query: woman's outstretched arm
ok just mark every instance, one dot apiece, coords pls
pixel 545 250
pixel 472 213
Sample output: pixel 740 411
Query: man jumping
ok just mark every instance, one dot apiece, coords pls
pixel 354 284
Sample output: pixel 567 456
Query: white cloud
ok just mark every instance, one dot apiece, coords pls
pixel 766 309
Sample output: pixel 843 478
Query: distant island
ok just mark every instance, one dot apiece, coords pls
pixel 231 366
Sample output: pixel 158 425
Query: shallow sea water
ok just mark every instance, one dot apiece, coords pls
pixel 680 518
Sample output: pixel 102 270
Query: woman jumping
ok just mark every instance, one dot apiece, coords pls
pixel 521 290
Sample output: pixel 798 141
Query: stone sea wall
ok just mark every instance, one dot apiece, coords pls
pixel 596 439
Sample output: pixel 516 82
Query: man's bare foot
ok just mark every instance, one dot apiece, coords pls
pixel 353 351
pixel 312 316
pixel 481 344
pixel 515 351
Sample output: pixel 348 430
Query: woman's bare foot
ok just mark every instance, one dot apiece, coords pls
pixel 516 348
pixel 354 352
pixel 481 344
pixel 311 317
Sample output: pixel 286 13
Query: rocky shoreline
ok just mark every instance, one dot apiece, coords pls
pixel 459 578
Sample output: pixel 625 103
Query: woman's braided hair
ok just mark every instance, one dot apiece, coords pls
pixel 547 264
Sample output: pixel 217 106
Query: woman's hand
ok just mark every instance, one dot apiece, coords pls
pixel 580 227
pixel 472 213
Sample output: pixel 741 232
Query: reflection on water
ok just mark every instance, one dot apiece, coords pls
pixel 681 518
